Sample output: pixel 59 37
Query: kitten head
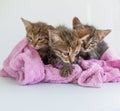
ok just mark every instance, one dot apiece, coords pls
pixel 92 40
pixel 64 43
pixel 94 36
pixel 36 34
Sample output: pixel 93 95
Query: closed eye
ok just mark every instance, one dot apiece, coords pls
pixel 40 39
pixel 76 52
pixel 30 38
pixel 65 54
pixel 57 51
pixel 92 43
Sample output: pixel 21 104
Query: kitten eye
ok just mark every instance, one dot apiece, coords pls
pixel 92 43
pixel 76 52
pixel 65 54
pixel 30 37
pixel 40 39
pixel 83 41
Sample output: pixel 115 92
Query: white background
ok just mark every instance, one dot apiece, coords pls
pixel 104 14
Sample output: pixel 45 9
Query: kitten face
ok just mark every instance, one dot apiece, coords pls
pixel 65 44
pixel 37 41
pixel 94 36
pixel 91 41
pixel 37 34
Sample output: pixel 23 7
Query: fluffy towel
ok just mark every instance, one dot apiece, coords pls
pixel 25 65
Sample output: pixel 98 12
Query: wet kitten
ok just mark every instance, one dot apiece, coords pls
pixel 65 44
pixel 93 45
pixel 37 36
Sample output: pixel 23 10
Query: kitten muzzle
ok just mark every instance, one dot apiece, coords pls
pixel 71 60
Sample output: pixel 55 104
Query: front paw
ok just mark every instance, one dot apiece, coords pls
pixel 66 71
pixel 52 61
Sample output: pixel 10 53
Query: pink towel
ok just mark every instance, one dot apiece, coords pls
pixel 25 65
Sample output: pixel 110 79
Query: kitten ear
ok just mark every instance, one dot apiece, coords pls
pixel 27 23
pixel 85 37
pixel 53 36
pixel 102 33
pixel 77 24
pixel 82 33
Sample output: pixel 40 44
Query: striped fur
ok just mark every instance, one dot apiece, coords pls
pixel 93 45
pixel 37 36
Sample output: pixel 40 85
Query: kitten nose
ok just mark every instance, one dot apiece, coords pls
pixel 34 44
pixel 71 59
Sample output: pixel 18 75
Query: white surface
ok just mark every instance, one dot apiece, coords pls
pixel 57 97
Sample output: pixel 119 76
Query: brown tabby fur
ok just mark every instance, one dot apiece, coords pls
pixel 66 45
pixel 37 36
pixel 93 45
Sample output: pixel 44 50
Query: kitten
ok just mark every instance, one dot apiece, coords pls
pixel 37 36
pixel 65 44
pixel 93 45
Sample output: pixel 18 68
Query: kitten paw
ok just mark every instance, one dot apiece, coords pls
pixel 66 71
pixel 52 61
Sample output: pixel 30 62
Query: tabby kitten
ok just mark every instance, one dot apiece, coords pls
pixel 65 44
pixel 93 45
pixel 37 36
